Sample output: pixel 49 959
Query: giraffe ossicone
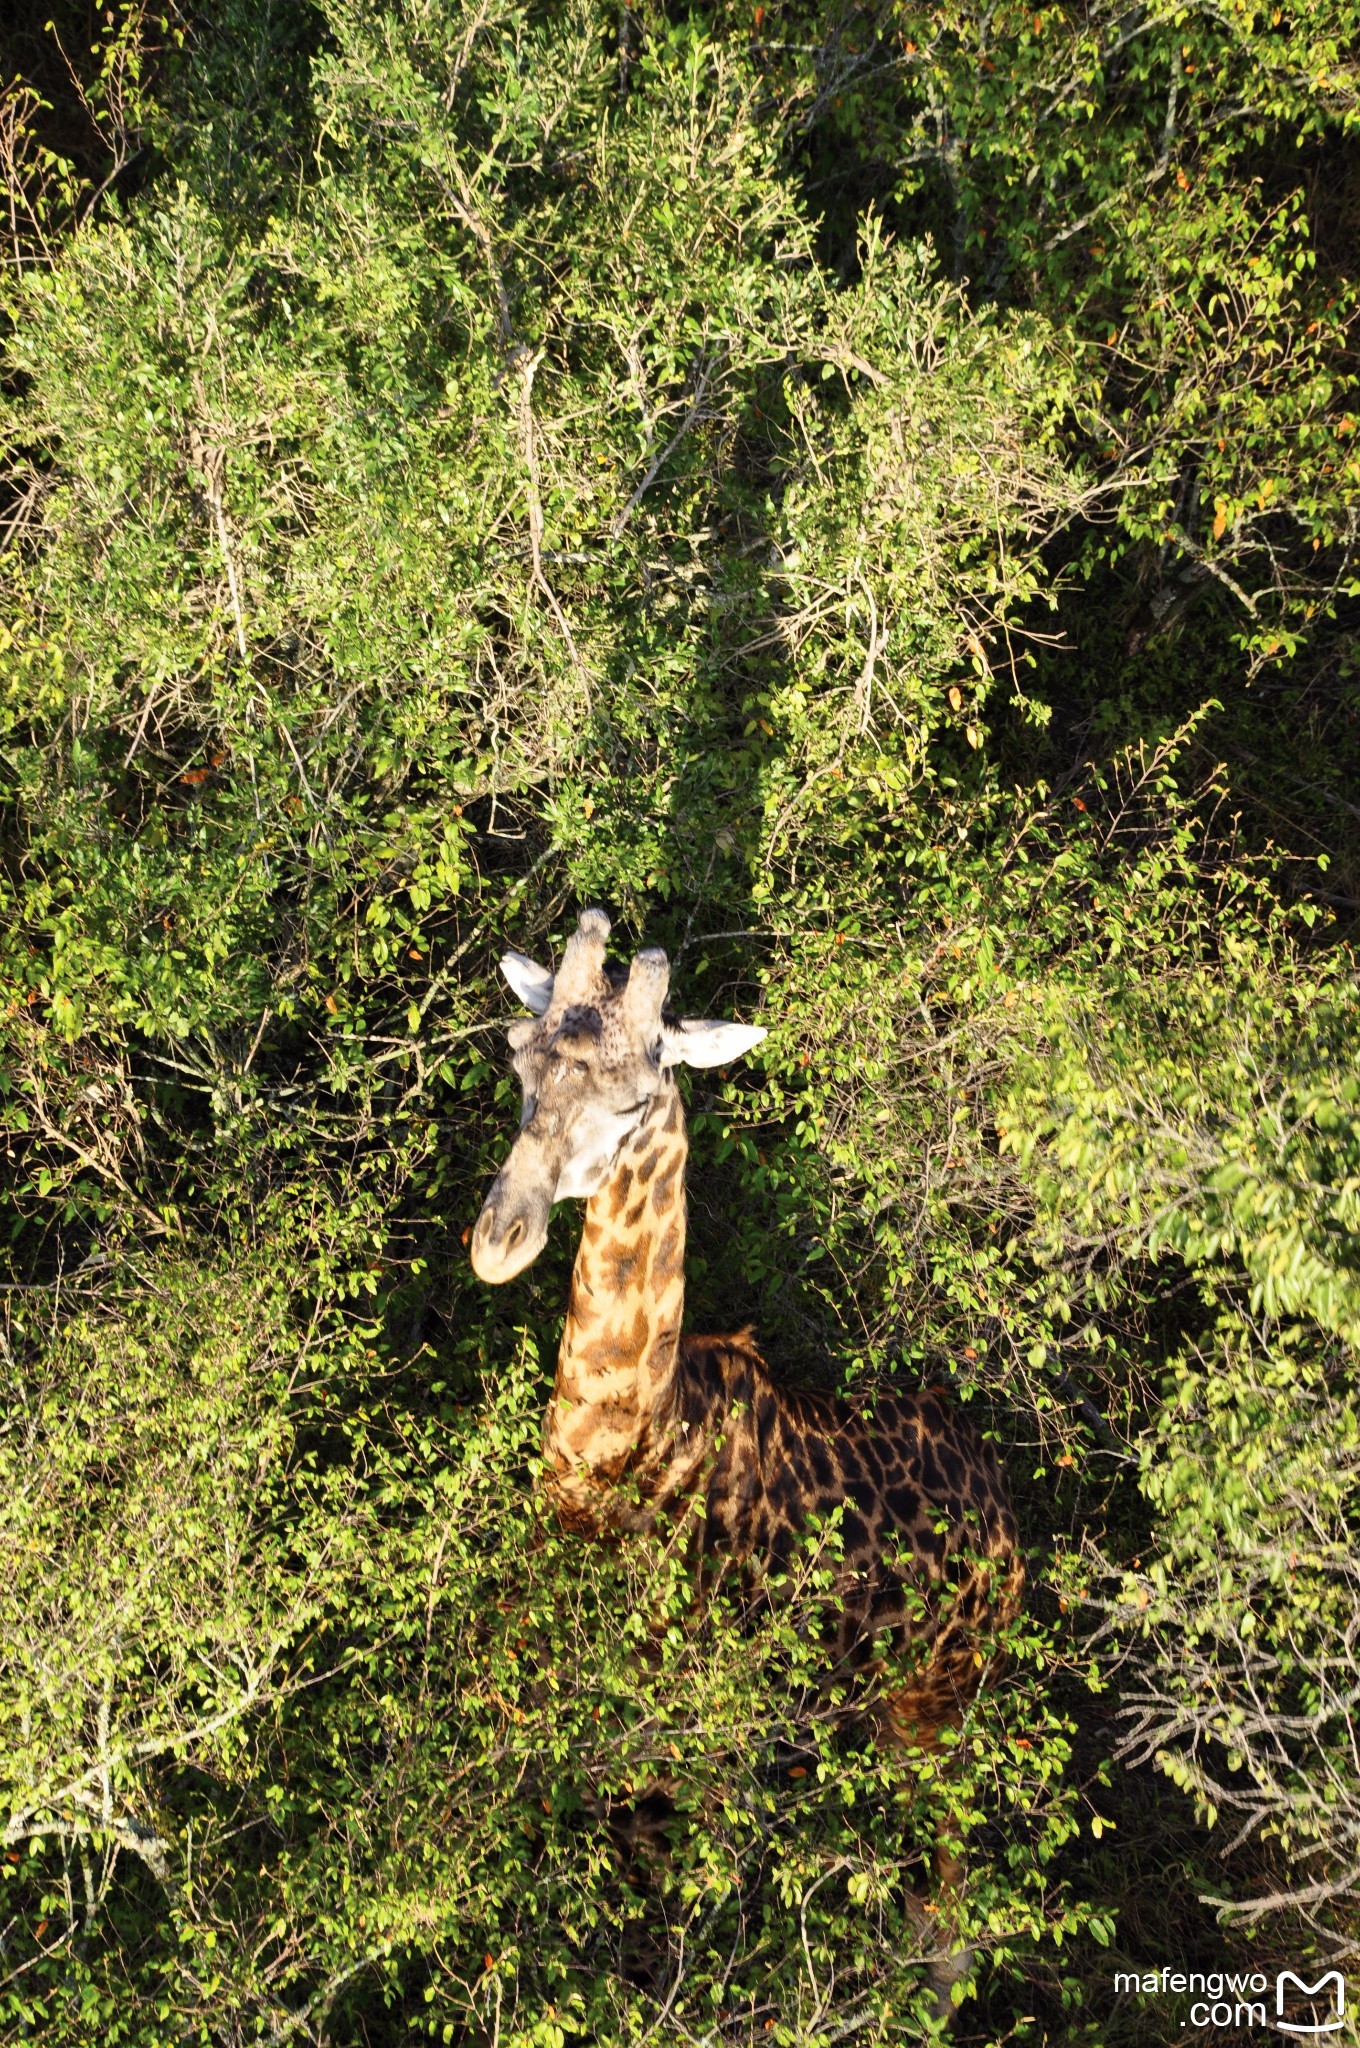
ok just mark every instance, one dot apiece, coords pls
pixel 644 1421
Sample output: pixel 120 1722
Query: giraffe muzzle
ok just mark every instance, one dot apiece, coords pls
pixel 509 1234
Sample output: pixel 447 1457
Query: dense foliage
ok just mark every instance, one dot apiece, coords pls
pixel 871 494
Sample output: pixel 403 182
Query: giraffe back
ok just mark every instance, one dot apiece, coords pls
pixel 929 1567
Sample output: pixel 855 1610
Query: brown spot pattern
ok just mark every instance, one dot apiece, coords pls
pixel 929 1558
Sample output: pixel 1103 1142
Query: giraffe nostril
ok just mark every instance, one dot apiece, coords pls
pixel 514 1234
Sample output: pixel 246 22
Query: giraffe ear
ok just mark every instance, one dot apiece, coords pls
pixel 532 984
pixel 697 1042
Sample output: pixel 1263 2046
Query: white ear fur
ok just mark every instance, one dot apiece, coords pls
pixel 531 983
pixel 698 1042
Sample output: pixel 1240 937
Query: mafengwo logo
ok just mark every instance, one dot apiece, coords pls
pixel 1295 2006
pixel 1325 2003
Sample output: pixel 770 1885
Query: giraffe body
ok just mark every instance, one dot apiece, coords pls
pixel 643 1422
pixel 646 1425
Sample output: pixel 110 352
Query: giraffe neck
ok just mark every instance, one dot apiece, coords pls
pixel 622 1337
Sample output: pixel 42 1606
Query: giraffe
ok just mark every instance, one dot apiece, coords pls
pixel 644 1422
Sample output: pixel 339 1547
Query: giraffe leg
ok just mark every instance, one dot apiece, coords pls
pixel 954 1959
pixel 910 1729
pixel 949 1959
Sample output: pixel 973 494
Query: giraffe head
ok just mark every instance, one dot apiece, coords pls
pixel 591 1060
